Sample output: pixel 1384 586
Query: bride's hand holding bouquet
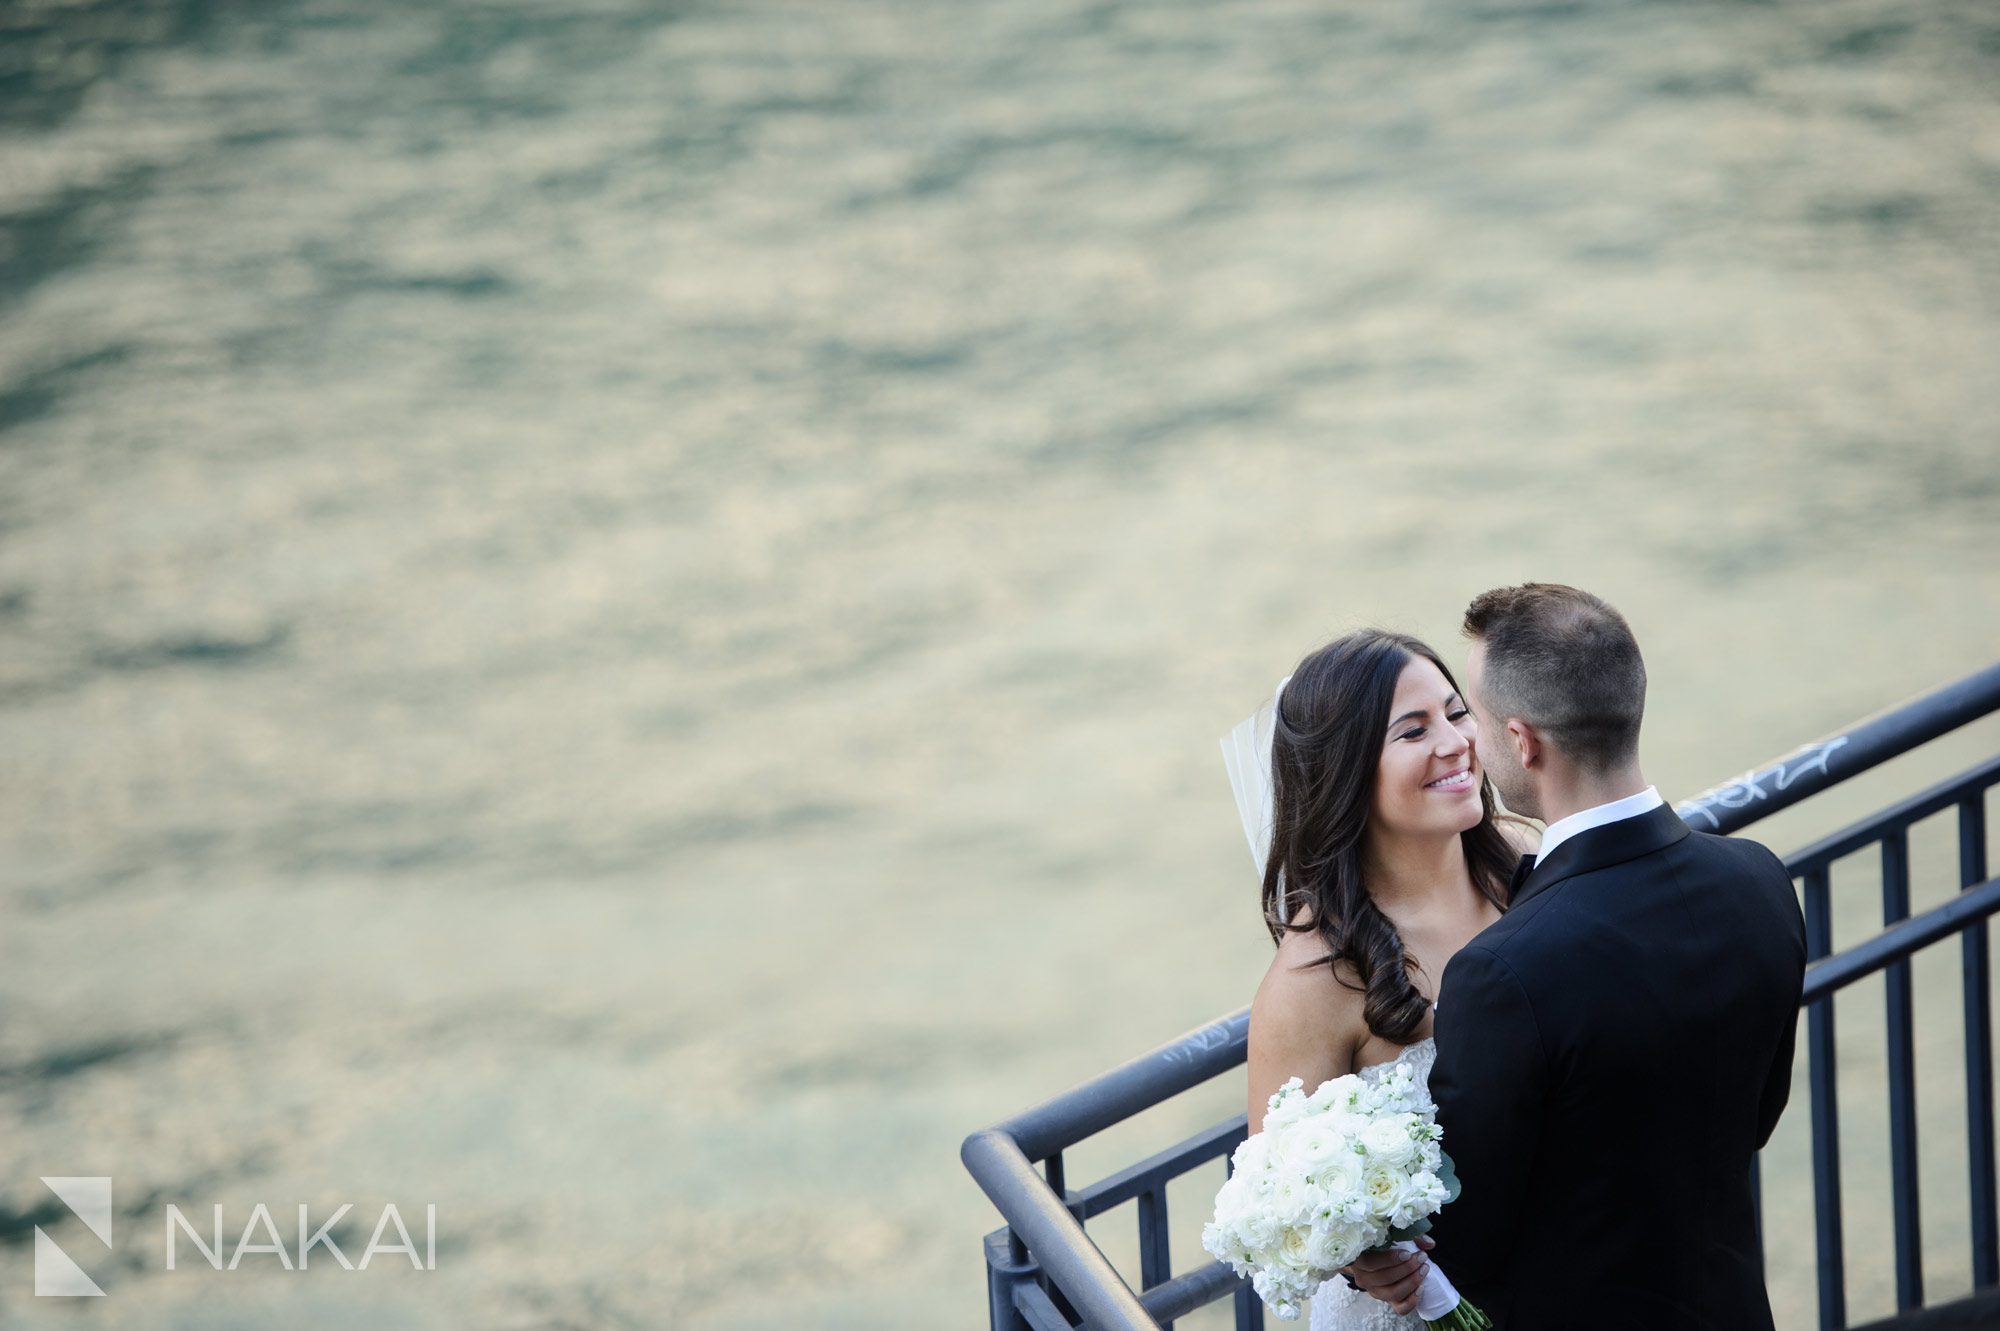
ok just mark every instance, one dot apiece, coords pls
pixel 1350 1167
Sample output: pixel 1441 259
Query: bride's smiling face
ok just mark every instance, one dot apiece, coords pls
pixel 1429 778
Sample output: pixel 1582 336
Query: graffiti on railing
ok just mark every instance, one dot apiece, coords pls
pixel 1754 786
pixel 1206 1040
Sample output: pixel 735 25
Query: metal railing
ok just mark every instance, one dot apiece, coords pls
pixel 1044 1271
pixel 1888 954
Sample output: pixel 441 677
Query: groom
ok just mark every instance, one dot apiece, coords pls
pixel 1614 1050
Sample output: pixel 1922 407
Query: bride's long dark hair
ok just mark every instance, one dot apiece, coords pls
pixel 1326 749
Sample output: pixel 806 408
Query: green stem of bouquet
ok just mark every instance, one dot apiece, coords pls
pixel 1464 1317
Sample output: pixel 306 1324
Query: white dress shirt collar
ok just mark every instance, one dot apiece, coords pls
pixel 1631 806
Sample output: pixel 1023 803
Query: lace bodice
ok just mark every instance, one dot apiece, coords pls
pixel 1417 1057
pixel 1336 1307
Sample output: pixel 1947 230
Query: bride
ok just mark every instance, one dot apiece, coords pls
pixel 1387 854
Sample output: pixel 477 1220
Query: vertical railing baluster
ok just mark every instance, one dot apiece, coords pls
pixel 1825 1113
pixel 1155 1256
pixel 1052 1170
pixel 1757 1202
pixel 1978 1048
pixel 1007 1269
pixel 1902 1071
pixel 1249 1309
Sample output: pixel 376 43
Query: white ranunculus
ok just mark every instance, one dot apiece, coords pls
pixel 1389 1141
pixel 1337 1242
pixel 1351 1124
pixel 1311 1144
pixel 1339 1175
pixel 1262 1229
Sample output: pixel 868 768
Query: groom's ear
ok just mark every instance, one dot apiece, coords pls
pixel 1527 744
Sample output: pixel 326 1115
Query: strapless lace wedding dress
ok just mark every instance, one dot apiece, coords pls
pixel 1335 1307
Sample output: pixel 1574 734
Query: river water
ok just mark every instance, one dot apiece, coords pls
pixel 614 617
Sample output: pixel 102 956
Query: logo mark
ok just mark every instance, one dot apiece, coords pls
pixel 56 1274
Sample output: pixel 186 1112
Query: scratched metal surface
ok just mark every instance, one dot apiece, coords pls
pixel 617 616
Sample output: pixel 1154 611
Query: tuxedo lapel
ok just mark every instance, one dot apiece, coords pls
pixel 1602 847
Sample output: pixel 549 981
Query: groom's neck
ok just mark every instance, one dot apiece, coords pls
pixel 1572 791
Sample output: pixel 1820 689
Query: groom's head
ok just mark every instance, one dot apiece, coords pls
pixel 1556 682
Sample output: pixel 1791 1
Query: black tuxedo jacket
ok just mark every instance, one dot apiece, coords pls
pixel 1610 1055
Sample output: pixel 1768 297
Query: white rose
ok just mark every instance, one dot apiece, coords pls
pixel 1294 1250
pixel 1383 1188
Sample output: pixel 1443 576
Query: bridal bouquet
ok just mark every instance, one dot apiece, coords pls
pixel 1350 1167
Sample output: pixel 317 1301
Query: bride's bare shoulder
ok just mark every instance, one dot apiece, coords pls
pixel 1303 1023
pixel 1301 998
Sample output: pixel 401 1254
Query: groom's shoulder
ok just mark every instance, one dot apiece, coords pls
pixel 1751 876
pixel 1535 923
pixel 1741 854
pixel 1549 918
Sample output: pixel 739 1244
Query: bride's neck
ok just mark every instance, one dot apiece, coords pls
pixel 1410 873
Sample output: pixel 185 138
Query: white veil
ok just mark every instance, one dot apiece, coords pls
pixel 1246 752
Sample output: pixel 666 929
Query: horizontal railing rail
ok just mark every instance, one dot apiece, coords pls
pixel 1811 768
pixel 1916 808
pixel 1907 938
pixel 1135 1182
pixel 1045 1271
pixel 1112 1097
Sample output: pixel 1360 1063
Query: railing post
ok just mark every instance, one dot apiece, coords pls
pixel 1978 1049
pixel 1155 1254
pixel 1823 1067
pixel 1757 1202
pixel 1249 1309
pixel 1902 1070
pixel 1007 1268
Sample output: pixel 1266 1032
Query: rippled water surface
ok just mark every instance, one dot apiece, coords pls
pixel 614 617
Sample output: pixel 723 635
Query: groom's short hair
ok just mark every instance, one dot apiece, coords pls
pixel 1566 663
